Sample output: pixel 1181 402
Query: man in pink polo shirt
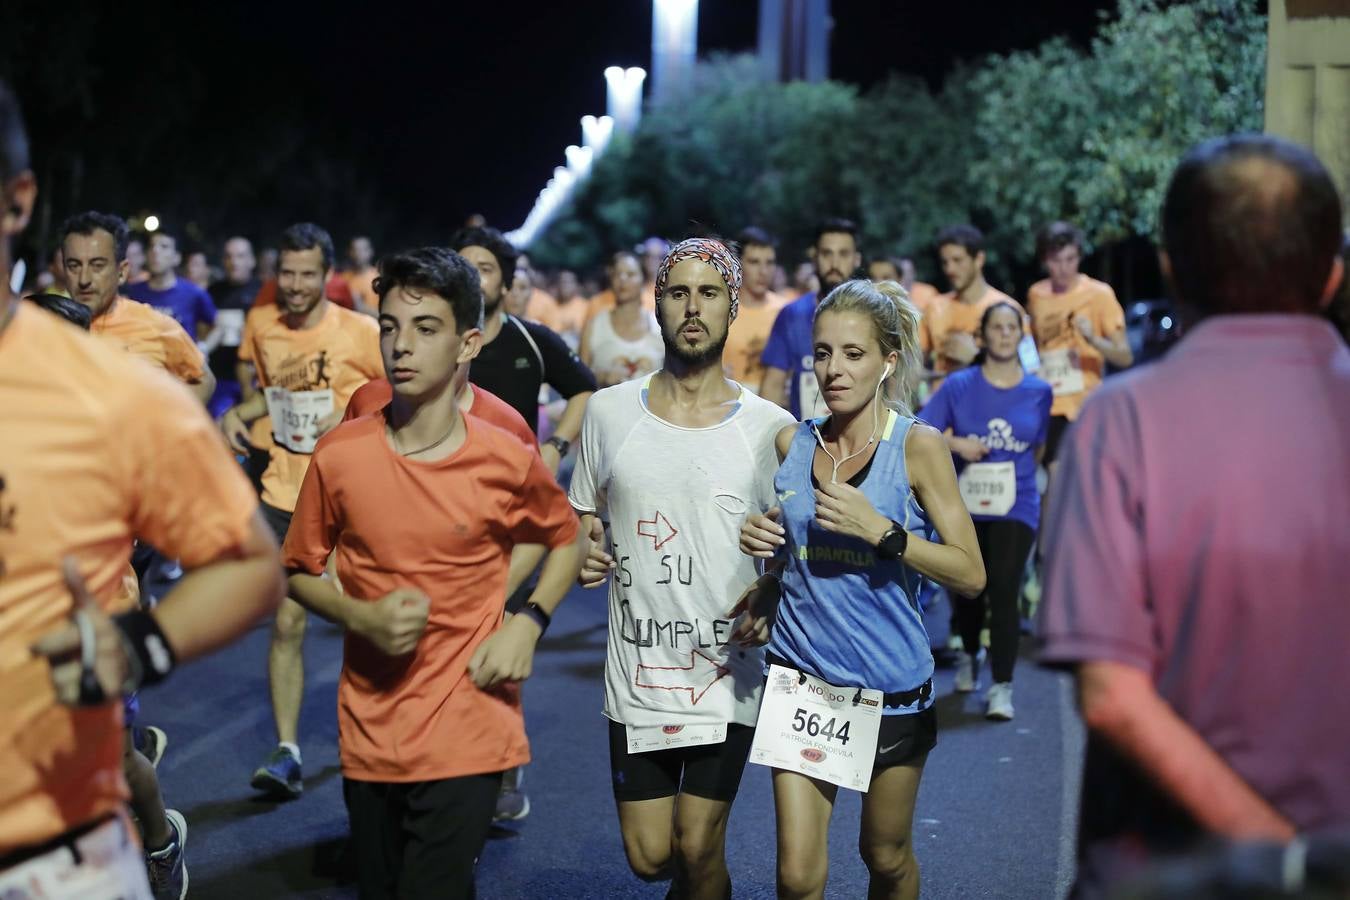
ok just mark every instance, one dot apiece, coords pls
pixel 1198 552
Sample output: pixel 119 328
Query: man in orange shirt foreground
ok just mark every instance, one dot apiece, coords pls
pixel 423 506
pixel 76 487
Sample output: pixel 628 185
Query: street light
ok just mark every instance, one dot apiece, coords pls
pixel 152 223
pixel 595 133
pixel 624 96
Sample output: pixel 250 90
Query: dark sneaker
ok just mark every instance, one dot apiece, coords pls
pixel 166 868
pixel 512 806
pixel 279 776
pixel 152 743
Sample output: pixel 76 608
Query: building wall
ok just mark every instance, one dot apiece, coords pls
pixel 1308 80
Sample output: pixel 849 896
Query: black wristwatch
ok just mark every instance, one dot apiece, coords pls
pixel 562 445
pixel 536 612
pixel 893 543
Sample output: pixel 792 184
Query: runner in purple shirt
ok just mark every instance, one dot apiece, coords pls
pixel 1198 548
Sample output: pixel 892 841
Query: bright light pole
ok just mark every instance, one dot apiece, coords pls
pixel 624 96
pixel 674 46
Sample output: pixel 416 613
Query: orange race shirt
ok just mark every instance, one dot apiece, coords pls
pixel 447 529
pixel 572 316
pixel 946 315
pixel 144 331
pixel 746 339
pixel 542 308
pixel 362 284
pixel 374 396
pixel 97 449
pixel 922 295
pixel 1069 362
pixel 341 353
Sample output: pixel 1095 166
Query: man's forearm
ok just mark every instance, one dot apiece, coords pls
pixel 524 559
pixel 569 426
pixel 321 596
pixel 204 387
pixel 1116 349
pixel 215 603
pixel 252 409
pixel 1120 703
pixel 243 373
pixel 560 569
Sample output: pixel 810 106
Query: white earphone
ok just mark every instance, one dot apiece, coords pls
pixel 886 374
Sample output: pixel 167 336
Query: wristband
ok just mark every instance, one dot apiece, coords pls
pixel 536 612
pixel 148 652
pixel 562 445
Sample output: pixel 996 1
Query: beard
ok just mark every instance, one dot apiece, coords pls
pixel 693 358
pixel 828 282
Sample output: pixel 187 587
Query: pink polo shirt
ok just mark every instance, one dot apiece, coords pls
pixel 1200 530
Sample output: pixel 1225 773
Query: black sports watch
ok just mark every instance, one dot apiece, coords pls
pixel 562 445
pixel 893 543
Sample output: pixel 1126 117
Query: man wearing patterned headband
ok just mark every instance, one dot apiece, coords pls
pixel 674 462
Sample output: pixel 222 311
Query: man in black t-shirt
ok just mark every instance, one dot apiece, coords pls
pixel 518 356
pixel 233 297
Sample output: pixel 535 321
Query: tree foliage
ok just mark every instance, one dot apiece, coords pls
pixel 1009 143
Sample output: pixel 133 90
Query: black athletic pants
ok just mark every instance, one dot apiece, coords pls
pixel 1004 544
pixel 419 839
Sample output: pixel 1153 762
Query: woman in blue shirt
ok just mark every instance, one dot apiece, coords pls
pixel 859 491
pixel 995 418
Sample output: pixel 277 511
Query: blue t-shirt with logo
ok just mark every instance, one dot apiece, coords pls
pixel 790 348
pixel 185 301
pixel 1011 422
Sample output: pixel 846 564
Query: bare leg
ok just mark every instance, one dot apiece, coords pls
pixel 804 806
pixel 701 849
pixel 286 669
pixel 887 822
pixel 648 830
pixel 146 801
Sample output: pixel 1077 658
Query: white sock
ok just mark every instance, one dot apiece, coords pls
pixel 295 750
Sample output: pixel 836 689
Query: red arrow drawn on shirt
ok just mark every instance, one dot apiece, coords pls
pixel 683 678
pixel 660 536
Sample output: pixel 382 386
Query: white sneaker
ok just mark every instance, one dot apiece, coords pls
pixel 998 702
pixel 967 672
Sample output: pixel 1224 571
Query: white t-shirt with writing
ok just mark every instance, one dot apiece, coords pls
pixel 675 498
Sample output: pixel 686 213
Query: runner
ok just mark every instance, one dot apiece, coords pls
pixel 76 487
pixel 850 693
pixel 995 418
pixel 676 460
pixel 789 378
pixel 93 254
pixel 624 342
pixel 1079 326
pixel 422 506
pixel 160 828
pixel 518 357
pixel 233 296
pixel 310 355
pixel 164 291
pixel 758 309
pixel 949 325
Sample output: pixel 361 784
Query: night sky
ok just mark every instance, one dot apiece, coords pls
pixel 397 119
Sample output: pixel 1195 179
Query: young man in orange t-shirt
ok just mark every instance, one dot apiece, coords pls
pixel 951 322
pixel 94 258
pixel 759 307
pixel 76 487
pixel 1079 326
pixel 310 356
pixel 423 506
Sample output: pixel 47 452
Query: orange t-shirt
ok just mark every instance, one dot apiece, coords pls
pixel 447 529
pixel 922 295
pixel 374 396
pixel 362 284
pixel 1076 367
pixel 97 449
pixel 946 315
pixel 341 352
pixel 605 300
pixel 144 331
pixel 542 308
pixel 746 339
pixel 572 316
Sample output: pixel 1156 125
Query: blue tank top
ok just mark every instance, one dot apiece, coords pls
pixel 846 616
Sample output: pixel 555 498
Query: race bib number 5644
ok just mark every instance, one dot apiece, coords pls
pixel 809 726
